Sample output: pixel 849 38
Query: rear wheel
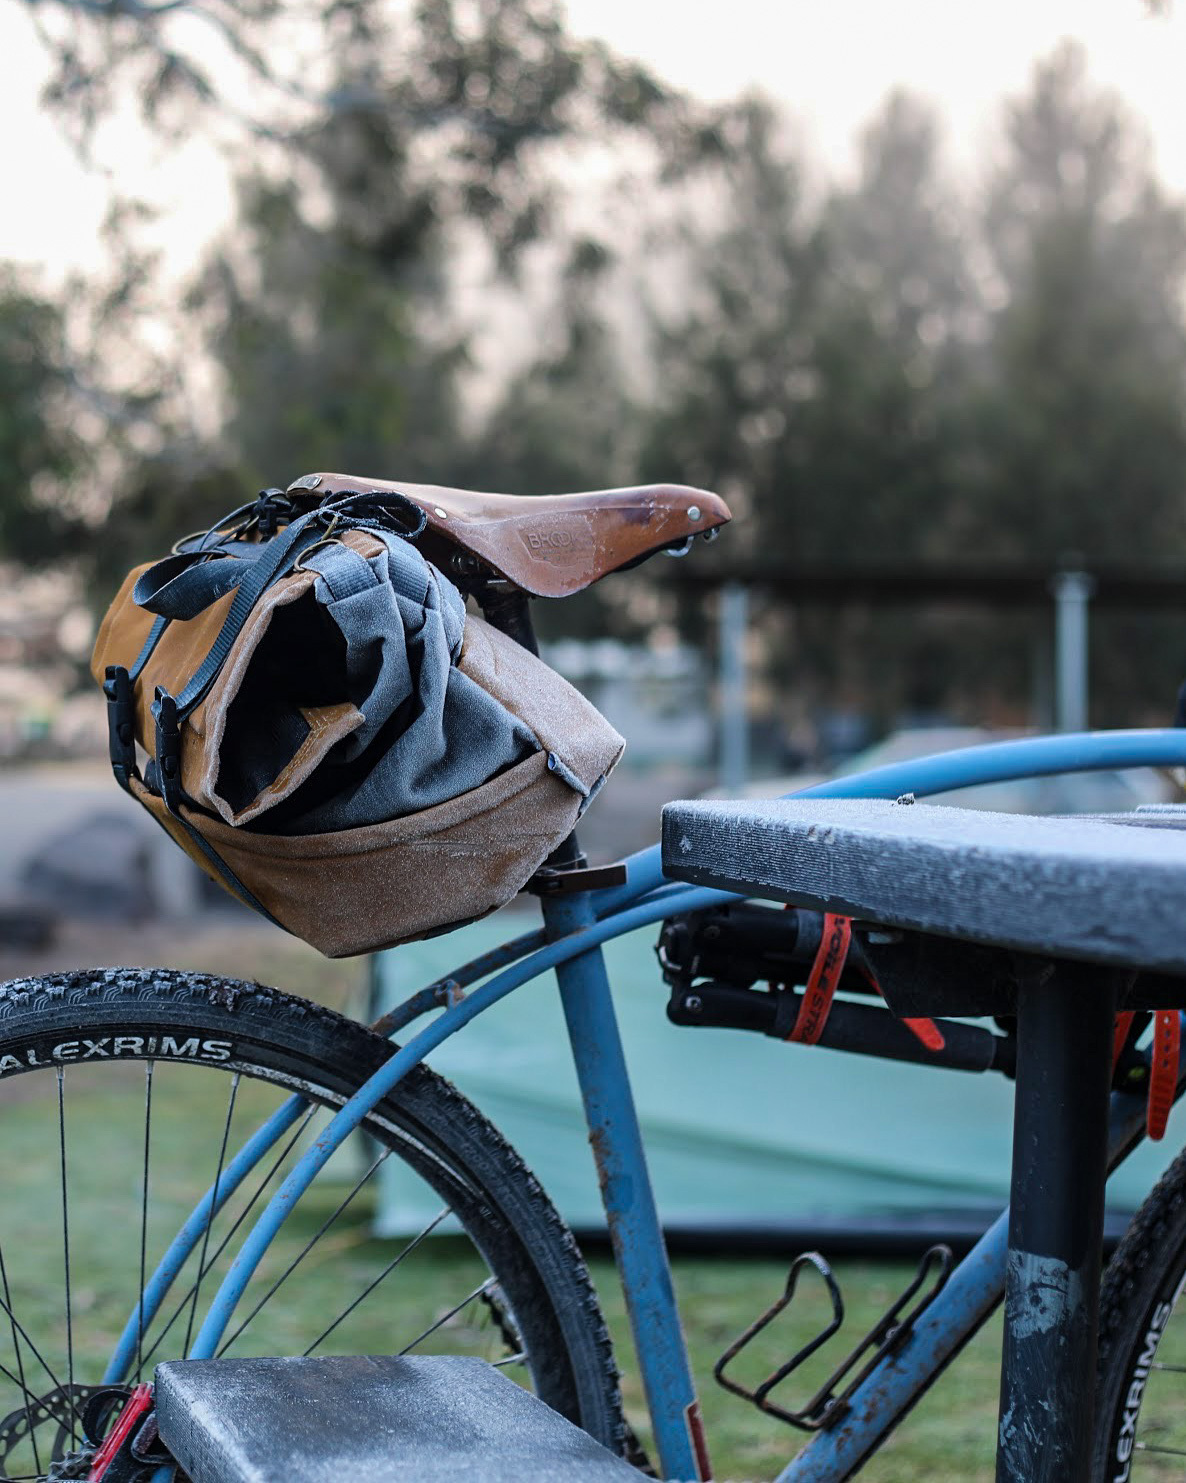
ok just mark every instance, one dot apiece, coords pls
pixel 126 1094
pixel 1140 1430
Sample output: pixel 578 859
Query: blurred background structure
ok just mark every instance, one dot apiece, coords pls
pixel 467 243
pixel 933 354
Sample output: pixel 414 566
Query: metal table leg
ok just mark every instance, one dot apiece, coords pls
pixel 1064 1026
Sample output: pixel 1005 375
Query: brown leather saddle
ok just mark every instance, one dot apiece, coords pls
pixel 550 545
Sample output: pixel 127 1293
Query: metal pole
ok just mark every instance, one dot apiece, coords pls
pixel 1072 593
pixel 1056 1222
pixel 734 718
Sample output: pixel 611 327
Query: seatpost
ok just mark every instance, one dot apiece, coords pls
pixel 509 610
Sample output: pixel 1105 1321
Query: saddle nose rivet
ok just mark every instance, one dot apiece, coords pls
pixel 444 514
pixel 694 512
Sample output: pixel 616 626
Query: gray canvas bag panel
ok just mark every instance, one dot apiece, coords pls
pixel 413 731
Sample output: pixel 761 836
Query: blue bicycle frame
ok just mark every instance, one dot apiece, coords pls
pixel 575 926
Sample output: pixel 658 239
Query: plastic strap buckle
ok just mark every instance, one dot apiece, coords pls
pixel 273 508
pixel 121 731
pixel 168 748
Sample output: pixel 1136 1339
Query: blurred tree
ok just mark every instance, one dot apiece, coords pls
pixel 470 99
pixel 39 451
pixel 735 360
pixel 873 438
pixel 1083 413
pixel 878 445
pixel 810 375
pixel 1079 426
pixel 819 380
pixel 898 378
pixel 567 420
pixel 418 138
pixel 325 358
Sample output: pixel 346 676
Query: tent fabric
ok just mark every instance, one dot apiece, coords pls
pixel 743 1134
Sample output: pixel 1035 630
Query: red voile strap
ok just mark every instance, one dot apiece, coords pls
pixel 1120 1034
pixel 823 980
pixel 928 1032
pixel 1163 1073
pixel 825 974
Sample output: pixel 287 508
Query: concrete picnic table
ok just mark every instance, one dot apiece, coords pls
pixel 1066 910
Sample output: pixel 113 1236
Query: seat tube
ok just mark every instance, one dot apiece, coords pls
pixel 639 1248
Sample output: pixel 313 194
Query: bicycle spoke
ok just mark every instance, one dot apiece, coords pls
pixel 1165 1451
pixel 390 1267
pixel 20 1363
pixel 230 1235
pixel 302 1254
pixel 66 1253
pixel 144 1219
pixel 30 1399
pixel 33 1349
pixel 452 1313
pixel 226 1133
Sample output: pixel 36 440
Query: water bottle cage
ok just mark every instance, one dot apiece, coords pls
pixel 830 1403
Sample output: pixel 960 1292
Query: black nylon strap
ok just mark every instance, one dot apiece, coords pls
pixel 387 511
pixel 150 643
pixel 225 873
pixel 168 770
pixel 184 585
pixel 279 553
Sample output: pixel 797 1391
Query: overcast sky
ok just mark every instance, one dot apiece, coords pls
pixel 829 61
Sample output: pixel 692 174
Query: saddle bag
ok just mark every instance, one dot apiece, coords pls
pixel 330 735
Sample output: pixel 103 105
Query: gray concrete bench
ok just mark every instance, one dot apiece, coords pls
pixel 356 1419
pixel 1053 914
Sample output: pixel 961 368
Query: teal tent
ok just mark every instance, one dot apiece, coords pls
pixel 744 1135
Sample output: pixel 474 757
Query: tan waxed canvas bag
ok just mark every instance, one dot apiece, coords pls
pixel 330 735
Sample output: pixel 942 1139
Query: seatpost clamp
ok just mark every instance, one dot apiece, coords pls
pixel 560 880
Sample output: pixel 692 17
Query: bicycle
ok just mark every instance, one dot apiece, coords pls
pixel 303 1079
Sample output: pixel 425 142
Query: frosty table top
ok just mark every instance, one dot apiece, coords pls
pixel 1108 889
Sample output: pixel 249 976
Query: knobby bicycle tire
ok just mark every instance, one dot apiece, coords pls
pixel 80 1052
pixel 1140 1427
